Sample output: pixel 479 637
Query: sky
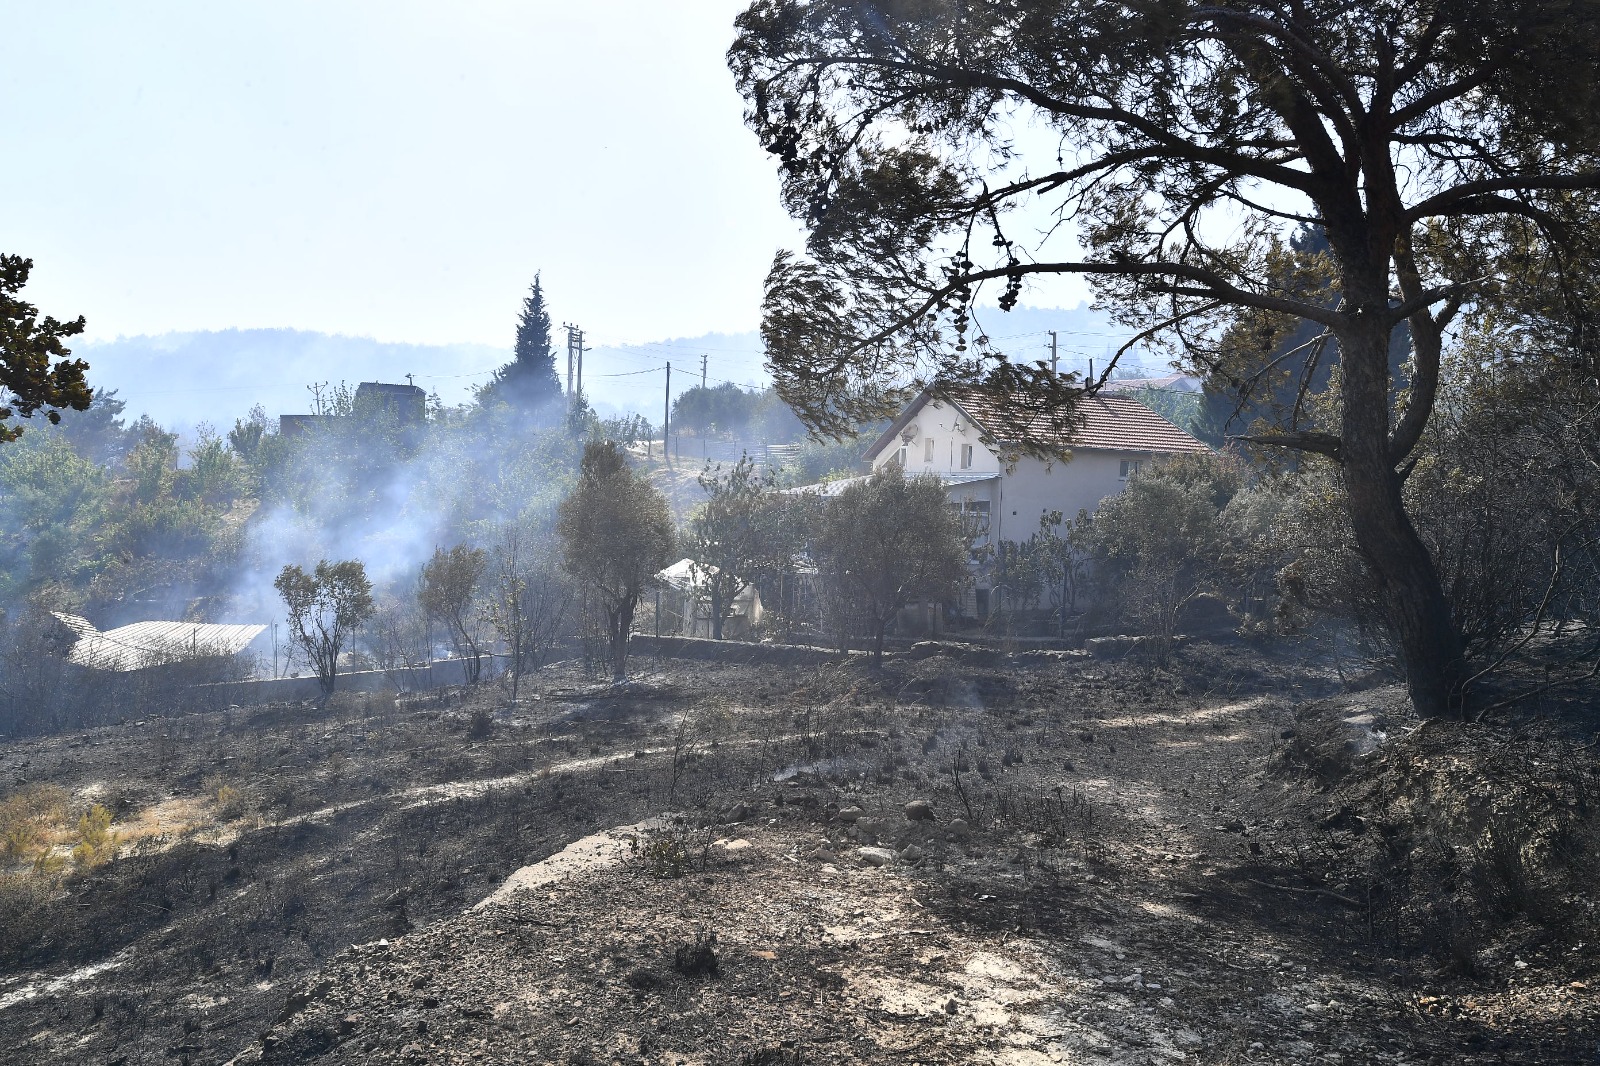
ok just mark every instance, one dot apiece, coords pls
pixel 394 170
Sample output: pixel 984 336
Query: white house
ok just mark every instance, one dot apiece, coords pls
pixel 1116 436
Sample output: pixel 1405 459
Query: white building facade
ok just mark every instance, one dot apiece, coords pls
pixel 1008 494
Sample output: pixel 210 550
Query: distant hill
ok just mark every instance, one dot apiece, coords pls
pixel 181 379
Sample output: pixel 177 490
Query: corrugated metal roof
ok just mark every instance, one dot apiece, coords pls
pixel 827 489
pixel 824 488
pixel 684 576
pixel 145 644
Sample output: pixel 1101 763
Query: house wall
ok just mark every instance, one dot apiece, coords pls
pixel 1021 491
pixel 1037 487
pixel 948 429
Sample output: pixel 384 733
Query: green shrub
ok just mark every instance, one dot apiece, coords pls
pixel 97 844
pixel 671 852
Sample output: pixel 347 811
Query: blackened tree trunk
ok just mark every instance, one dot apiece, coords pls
pixel 1417 610
pixel 620 625
pixel 718 608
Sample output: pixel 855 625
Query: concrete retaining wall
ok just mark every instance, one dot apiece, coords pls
pixel 447 672
pixel 732 651
pixel 442 674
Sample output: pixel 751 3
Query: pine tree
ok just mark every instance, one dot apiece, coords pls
pixel 529 382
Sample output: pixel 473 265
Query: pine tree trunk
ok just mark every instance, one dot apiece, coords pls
pixel 1418 613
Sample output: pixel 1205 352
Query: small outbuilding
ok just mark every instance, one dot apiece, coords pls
pixel 683 608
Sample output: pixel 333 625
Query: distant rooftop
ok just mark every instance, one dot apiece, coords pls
pixel 1105 422
pixel 1168 383
pixel 1112 423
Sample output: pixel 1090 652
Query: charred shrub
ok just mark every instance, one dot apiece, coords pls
pixel 773 1056
pixel 642 979
pixel 23 901
pixel 1320 748
pixel 1500 873
pixel 698 958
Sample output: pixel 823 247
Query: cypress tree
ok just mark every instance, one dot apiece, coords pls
pixel 529 382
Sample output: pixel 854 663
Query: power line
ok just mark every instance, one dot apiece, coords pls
pixel 630 373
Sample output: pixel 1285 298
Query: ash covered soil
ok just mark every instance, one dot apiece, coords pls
pixel 951 860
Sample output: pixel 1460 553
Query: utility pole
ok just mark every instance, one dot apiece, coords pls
pixel 575 352
pixel 1053 369
pixel 666 417
pixel 703 358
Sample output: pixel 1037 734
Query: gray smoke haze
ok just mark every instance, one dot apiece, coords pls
pixel 390 502
pixel 388 497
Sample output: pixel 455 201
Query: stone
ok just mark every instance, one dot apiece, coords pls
pixel 958 829
pixel 851 814
pixel 876 856
pixel 911 853
pixel 870 829
pixel 919 811
pixel 824 855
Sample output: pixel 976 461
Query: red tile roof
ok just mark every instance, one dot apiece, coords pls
pixel 1116 423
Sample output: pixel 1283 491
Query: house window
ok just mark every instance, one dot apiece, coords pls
pixel 975 512
pixel 966 457
pixel 900 457
pixel 928 450
pixel 1130 466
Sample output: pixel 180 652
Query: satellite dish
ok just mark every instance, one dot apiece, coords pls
pixel 911 433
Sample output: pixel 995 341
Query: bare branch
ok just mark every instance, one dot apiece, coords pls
pixel 1445 203
pixel 1305 440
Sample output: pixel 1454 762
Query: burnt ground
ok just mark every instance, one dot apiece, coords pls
pixel 1228 861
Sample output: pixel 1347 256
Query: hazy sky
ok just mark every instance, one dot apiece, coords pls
pixel 391 169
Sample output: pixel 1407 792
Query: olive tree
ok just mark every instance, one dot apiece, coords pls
pixel 1062 548
pixel 616 535
pixel 887 540
pixel 448 591
pixel 326 608
pixel 728 540
pixel 530 599
pixel 1172 153
pixel 1156 544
